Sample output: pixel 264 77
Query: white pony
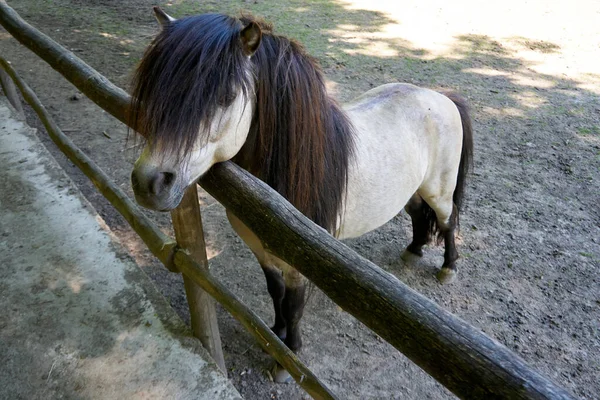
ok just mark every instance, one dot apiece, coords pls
pixel 212 88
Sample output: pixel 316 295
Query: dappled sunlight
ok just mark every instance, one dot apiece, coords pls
pixel 121 41
pixel 538 33
pixel 64 274
pixel 383 43
pixel 380 49
pixel 135 247
pixel 76 284
pixel 529 99
pixel 502 112
pixel 515 77
pixel 213 250
pixel 590 82
pixel 332 87
pixel 533 81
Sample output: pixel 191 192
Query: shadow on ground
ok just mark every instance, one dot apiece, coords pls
pixel 529 273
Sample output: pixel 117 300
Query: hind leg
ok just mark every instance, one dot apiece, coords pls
pixel 449 271
pixel 420 226
pixel 447 217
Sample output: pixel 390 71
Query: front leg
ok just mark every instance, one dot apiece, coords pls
pixel 277 291
pixel 293 307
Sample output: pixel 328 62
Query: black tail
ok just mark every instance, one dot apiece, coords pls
pixel 465 166
pixel 466 157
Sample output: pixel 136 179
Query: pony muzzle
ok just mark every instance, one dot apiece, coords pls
pixel 156 189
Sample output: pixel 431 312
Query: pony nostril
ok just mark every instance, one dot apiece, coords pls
pixel 160 182
pixel 169 177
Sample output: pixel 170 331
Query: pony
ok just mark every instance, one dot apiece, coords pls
pixel 212 88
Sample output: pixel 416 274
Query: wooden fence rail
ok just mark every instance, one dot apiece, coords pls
pixel 456 354
pixel 167 250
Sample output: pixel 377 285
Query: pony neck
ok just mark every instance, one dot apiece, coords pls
pixel 300 141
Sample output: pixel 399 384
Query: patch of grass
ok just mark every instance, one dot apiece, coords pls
pixel 311 23
pixel 541 46
pixel 589 130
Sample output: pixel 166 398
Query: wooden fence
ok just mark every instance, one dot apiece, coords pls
pixel 455 353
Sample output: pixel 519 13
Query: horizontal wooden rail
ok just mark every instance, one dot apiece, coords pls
pixel 159 244
pixel 456 354
pixel 165 248
pixel 91 83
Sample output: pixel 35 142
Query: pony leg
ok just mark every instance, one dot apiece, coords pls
pixel 275 281
pixel 292 308
pixel 449 271
pixel 276 288
pixel 420 225
pixel 447 216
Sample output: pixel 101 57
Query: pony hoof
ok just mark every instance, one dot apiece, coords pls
pixel 447 275
pixel 409 257
pixel 280 375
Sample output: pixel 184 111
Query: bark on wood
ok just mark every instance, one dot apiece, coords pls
pixel 459 356
pixel 187 223
pixel 164 249
pixel 255 326
pixel 456 354
pixel 95 86
pixel 159 244
pixel 10 91
pixel 115 101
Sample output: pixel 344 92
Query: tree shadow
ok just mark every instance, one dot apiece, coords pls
pixel 531 207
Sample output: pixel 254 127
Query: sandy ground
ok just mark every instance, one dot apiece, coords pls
pixel 531 224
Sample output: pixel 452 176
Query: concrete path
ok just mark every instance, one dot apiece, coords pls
pixel 78 320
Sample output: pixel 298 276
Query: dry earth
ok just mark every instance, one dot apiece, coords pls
pixel 530 237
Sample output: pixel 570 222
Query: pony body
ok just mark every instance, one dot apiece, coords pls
pixel 212 88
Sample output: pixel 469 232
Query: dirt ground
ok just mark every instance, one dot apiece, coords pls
pixel 530 235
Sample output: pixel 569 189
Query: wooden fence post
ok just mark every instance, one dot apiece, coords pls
pixel 187 223
pixel 165 249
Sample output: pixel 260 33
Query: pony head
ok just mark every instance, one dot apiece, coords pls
pixel 192 100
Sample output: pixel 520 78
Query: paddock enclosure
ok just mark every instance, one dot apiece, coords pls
pixel 531 279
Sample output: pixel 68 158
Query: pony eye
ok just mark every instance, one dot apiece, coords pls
pixel 226 100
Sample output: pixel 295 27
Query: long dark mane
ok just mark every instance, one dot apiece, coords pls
pixel 192 67
pixel 300 142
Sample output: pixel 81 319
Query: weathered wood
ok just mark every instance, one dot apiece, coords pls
pixel 159 244
pixel 10 91
pixel 164 249
pixel 115 101
pixel 459 356
pixel 453 352
pixel 255 326
pixel 187 223
pixel 95 86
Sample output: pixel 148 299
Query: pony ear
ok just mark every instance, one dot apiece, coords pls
pixel 162 17
pixel 251 36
